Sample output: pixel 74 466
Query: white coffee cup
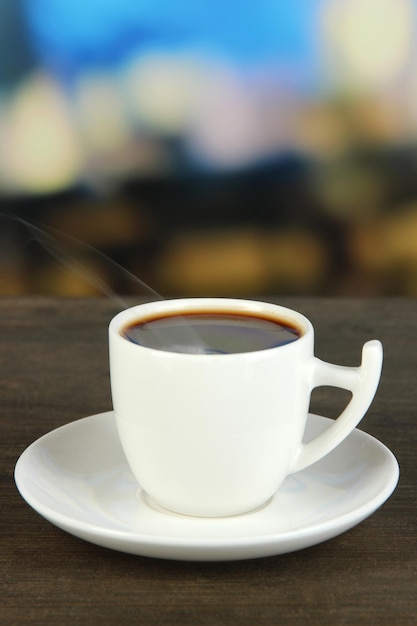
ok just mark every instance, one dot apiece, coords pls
pixel 216 434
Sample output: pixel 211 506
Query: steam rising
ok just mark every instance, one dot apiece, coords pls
pixel 68 250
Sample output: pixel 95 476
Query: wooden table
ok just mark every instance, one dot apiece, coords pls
pixel 54 369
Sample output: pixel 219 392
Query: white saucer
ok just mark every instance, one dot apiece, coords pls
pixel 77 477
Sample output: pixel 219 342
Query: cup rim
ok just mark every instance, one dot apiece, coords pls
pixel 175 305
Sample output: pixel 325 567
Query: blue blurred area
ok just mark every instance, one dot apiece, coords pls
pixel 16 56
pixel 78 35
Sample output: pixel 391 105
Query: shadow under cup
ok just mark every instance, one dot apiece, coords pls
pixel 211 398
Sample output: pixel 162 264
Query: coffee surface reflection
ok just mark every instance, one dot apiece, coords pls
pixel 203 332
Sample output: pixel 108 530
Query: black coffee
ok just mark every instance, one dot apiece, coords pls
pixel 201 332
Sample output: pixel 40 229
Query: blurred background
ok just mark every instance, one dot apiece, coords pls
pixel 211 148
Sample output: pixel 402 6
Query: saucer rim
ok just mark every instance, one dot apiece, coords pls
pixel 137 543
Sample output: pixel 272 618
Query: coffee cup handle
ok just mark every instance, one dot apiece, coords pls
pixel 361 381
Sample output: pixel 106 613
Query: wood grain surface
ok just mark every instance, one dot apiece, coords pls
pixel 54 369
